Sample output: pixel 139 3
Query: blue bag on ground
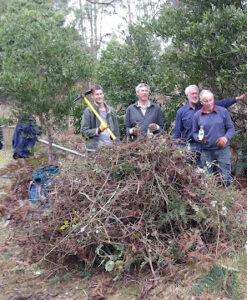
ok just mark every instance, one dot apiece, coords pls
pixel 40 186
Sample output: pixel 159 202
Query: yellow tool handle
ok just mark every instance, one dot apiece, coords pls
pixel 98 117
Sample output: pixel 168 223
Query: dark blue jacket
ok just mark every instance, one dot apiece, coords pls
pixel 25 136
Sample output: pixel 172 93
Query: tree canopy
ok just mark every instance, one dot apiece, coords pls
pixel 40 60
pixel 123 66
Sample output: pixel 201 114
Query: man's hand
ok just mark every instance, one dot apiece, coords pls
pixel 136 131
pixel 153 127
pixel 203 141
pixel 1 145
pixel 221 142
pixel 242 97
pixel 103 126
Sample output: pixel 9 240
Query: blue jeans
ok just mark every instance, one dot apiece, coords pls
pixel 220 162
pixel 196 149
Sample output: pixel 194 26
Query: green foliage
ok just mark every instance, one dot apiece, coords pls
pixel 111 257
pixel 77 110
pixel 123 169
pixel 220 278
pixel 205 48
pixel 7 121
pixel 120 119
pixel 202 5
pixel 40 60
pixel 123 66
pixel 240 156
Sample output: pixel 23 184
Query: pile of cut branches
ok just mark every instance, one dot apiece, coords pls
pixel 134 205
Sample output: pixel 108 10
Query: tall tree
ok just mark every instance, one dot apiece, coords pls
pixel 40 61
pixel 124 65
pixel 90 17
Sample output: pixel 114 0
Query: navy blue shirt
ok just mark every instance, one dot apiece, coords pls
pixel 184 119
pixel 216 124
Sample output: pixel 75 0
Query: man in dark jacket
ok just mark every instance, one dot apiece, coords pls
pixel 144 116
pixel 95 133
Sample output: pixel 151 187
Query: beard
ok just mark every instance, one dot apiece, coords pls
pixel 194 101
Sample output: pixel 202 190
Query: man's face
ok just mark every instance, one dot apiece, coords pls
pixel 208 103
pixel 98 97
pixel 143 94
pixel 193 95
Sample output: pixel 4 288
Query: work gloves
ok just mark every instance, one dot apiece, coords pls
pixel 221 142
pixel 1 145
pixel 136 131
pixel 153 127
pixel 102 127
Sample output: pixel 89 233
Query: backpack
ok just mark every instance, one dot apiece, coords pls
pixel 39 187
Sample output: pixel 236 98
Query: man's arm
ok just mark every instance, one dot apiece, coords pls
pixel 86 125
pixel 195 126
pixel 178 126
pixel 160 121
pixel 230 130
pixel 127 124
pixel 227 102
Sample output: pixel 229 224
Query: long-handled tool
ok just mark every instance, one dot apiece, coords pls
pixel 83 96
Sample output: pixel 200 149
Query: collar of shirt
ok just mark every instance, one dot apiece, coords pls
pixel 203 111
pixel 139 105
pixel 144 109
pixel 106 107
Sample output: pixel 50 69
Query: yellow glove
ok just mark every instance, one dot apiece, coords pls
pixel 103 126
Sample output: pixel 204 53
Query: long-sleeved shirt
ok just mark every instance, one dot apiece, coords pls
pixel 184 119
pixel 135 117
pixel 216 124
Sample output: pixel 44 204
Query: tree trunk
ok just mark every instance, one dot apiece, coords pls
pixel 50 149
pixel 81 25
pixel 50 139
pixel 129 12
